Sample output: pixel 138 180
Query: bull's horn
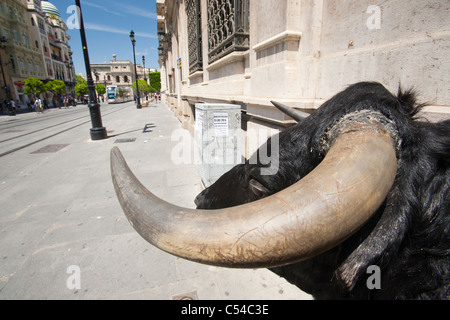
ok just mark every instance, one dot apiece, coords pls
pixel 309 217
pixel 295 114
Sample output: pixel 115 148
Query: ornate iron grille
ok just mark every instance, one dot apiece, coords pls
pixel 228 27
pixel 194 35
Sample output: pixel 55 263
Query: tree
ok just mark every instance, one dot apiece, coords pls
pixel 80 79
pixel 101 89
pixel 33 86
pixel 57 87
pixel 144 88
pixel 155 80
pixel 81 89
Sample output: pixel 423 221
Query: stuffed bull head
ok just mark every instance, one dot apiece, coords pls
pixel 339 168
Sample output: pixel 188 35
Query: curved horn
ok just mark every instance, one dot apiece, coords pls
pixel 295 114
pixel 309 217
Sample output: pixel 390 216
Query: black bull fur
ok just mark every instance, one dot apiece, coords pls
pixel 407 238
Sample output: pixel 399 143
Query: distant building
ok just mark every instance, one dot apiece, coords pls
pixel 59 65
pixel 20 57
pixel 35 45
pixel 118 72
pixel 38 35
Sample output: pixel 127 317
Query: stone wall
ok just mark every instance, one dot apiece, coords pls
pixel 303 52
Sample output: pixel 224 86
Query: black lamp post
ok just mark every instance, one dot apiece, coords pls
pixel 97 131
pixel 145 75
pixel 138 100
pixel 145 72
pixel 97 80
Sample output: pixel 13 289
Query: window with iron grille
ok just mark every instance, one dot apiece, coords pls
pixel 228 27
pixel 194 35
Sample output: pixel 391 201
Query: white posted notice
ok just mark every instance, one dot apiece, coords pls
pixel 220 122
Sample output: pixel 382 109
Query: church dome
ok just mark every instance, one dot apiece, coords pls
pixel 49 8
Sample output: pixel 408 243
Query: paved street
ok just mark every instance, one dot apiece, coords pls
pixel 63 233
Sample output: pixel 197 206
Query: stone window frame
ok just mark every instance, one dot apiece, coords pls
pixel 193 14
pixel 228 24
pixel 228 27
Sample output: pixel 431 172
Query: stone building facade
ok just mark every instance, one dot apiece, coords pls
pixel 248 52
pixel 118 72
pixel 35 44
pixel 54 42
pixel 20 57
pixel 114 72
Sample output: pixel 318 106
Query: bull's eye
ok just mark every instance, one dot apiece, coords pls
pixel 258 189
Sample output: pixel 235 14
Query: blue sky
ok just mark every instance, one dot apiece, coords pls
pixel 107 25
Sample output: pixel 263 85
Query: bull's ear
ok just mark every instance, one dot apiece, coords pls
pixel 258 189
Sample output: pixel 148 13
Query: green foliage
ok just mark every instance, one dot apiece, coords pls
pixel 57 87
pixel 155 80
pixel 101 89
pixel 80 80
pixel 144 88
pixel 81 89
pixel 33 86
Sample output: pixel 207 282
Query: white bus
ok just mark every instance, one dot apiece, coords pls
pixel 115 94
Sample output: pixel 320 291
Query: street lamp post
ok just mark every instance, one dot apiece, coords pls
pixel 145 72
pixel 145 75
pixel 97 80
pixel 138 100
pixel 98 132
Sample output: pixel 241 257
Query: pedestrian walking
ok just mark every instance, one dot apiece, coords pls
pixel 13 107
pixel 38 105
pixel 29 105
